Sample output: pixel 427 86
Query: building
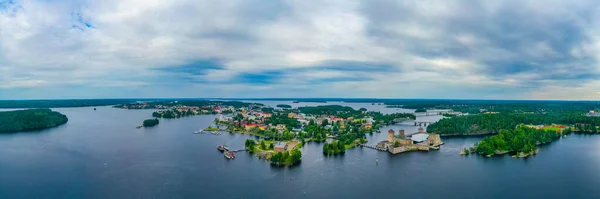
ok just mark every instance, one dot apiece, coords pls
pixel 291 115
pixel 265 114
pixel 417 142
pixel 280 146
pixel 262 127
pixel 250 126
pixel 401 139
pixel 419 137
pixel 281 127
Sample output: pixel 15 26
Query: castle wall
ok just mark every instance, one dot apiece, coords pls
pixel 434 140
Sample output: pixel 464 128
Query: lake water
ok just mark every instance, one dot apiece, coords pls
pixel 100 154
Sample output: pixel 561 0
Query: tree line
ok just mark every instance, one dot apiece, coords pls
pixel 494 123
pixel 286 157
pixel 334 148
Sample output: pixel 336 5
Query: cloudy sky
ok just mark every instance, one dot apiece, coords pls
pixel 476 49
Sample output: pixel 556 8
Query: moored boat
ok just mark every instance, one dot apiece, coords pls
pixel 220 148
pixel 229 155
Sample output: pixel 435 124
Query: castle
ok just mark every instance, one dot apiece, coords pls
pixel 421 141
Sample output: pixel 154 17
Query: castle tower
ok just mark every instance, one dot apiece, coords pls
pixel 391 135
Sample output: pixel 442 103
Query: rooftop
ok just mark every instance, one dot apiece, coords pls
pixel 280 145
pixel 420 137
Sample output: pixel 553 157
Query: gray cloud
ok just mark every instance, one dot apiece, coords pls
pixel 378 48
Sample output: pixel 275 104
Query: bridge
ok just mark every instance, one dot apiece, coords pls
pixel 431 113
pixel 371 147
pixel 423 123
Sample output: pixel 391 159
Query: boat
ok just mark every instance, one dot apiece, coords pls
pixel 225 147
pixel 220 148
pixel 229 155
pixel 138 127
pixel 295 101
pixel 196 132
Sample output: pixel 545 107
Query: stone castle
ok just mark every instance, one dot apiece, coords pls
pixel 408 144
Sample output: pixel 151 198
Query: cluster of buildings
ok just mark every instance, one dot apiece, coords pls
pixel 421 141
pixel 256 119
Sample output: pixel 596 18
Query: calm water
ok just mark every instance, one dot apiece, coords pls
pixel 100 154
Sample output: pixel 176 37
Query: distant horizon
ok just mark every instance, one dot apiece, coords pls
pixel 299 98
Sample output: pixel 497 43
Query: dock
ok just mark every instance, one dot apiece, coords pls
pixel 371 147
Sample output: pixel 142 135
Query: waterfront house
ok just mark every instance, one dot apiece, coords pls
pixel 262 127
pixel 280 146
pixel 251 126
pixel 265 114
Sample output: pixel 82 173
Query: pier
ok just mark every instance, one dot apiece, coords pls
pixel 423 123
pixel 371 147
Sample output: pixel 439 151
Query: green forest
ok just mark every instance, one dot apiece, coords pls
pixel 282 118
pixel 188 102
pixel 31 119
pixel 286 157
pixel 494 123
pixel 150 122
pixel 522 139
pixel 336 110
pixel 334 148
pixel 503 106
pixel 61 103
pixel 284 106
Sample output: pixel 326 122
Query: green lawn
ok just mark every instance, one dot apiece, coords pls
pixel 552 128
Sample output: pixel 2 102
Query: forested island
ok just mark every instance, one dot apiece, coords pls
pixel 31 119
pixel 150 122
pixel 521 141
pixel 284 106
pixel 266 149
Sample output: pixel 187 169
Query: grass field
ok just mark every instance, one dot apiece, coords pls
pixel 552 128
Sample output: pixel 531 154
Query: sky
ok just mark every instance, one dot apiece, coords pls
pixel 471 49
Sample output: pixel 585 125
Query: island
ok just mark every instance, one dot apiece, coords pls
pixel 150 122
pixel 521 141
pixel 278 153
pixel 29 120
pixel 284 106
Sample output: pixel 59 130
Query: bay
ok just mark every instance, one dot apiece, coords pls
pixel 100 154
